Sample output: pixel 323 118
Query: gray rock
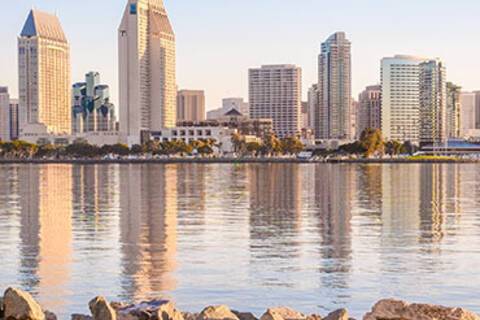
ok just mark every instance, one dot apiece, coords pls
pixel 19 305
pixel 190 315
pixel 221 312
pixel 341 314
pixel 245 315
pixel 81 317
pixel 101 309
pixel 396 309
pixel 2 313
pixel 154 309
pixel 50 315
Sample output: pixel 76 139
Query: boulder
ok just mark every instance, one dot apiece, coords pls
pixel 221 312
pixel 50 315
pixel 154 309
pixel 190 316
pixel 101 309
pixel 314 317
pixel 20 305
pixel 394 310
pixel 282 313
pixel 81 317
pixel 1 308
pixel 341 314
pixel 245 315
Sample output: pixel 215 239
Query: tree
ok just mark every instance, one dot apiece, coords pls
pixel 291 145
pixel 271 145
pixel 253 147
pixel 137 149
pixel 409 147
pixel 47 150
pixel 393 148
pixel 238 142
pixel 120 149
pixel 372 141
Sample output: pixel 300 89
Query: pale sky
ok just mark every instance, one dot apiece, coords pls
pixel 218 40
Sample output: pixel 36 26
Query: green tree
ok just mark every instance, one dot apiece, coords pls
pixel 372 141
pixel 292 145
pixel 137 149
pixel 271 145
pixel 253 147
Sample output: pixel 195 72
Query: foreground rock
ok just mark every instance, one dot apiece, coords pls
pixel 282 313
pixel 101 309
pixel 221 312
pixel 244 315
pixel 400 310
pixel 76 316
pixel 149 310
pixel 2 313
pixel 341 314
pixel 19 305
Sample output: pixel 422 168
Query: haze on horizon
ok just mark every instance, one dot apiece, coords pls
pixel 218 40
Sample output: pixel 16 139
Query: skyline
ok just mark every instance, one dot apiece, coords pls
pixel 224 54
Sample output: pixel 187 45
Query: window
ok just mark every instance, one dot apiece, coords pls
pixel 133 8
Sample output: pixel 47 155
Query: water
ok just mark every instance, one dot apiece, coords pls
pixel 314 237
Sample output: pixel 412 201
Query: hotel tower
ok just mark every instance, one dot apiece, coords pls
pixel 44 75
pixel 147 70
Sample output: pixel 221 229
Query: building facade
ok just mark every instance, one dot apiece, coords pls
pixel 14 133
pixel 468 114
pixel 400 77
pixel 190 105
pixel 91 107
pixel 44 74
pixel 229 104
pixel 369 113
pixel 333 113
pixel 147 76
pixel 275 92
pixel 433 103
pixel 4 114
pixel 453 110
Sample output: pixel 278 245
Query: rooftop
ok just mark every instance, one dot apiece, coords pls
pixel 45 25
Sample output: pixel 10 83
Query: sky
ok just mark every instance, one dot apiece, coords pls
pixel 218 40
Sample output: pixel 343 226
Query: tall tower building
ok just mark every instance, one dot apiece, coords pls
pixel 275 93
pixel 147 70
pixel 13 119
pixel 433 102
pixel 44 75
pixel 468 101
pixel 190 105
pixel 334 89
pixel 453 110
pixel 4 114
pixel 369 114
pixel 401 98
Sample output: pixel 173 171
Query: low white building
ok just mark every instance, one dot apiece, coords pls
pixel 222 136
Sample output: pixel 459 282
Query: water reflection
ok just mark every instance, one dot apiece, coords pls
pixel 249 235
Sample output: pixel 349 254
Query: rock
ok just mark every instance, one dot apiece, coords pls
pixel 314 317
pixel 245 315
pixel 395 310
pixel 155 310
pixel 101 309
pixel 221 312
pixel 19 305
pixel 1 308
pixel 341 314
pixel 50 315
pixel 190 316
pixel 282 313
pixel 81 317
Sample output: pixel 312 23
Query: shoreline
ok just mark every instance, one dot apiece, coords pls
pixel 237 161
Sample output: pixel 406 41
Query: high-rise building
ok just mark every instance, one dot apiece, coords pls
pixel 333 112
pixel 313 121
pixel 467 113
pixel 477 109
pixel 433 102
pixel 91 107
pixel 44 75
pixel 14 119
pixel 369 115
pixel 275 93
pixel 401 98
pixel 304 116
pixel 229 104
pixel 190 105
pixel 4 114
pixel 146 70
pixel 453 110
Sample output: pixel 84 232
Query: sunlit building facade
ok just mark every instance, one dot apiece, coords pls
pixel 147 80
pixel 44 75
pixel 4 114
pixel 453 110
pixel 191 105
pixel 369 115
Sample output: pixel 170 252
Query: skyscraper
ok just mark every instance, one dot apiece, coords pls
pixel 4 114
pixel 92 110
pixel 401 98
pixel 276 93
pixel 14 119
pixel 453 110
pixel 146 70
pixel 313 118
pixel 433 102
pixel 333 112
pixel 369 112
pixel 190 105
pixel 467 113
pixel 44 75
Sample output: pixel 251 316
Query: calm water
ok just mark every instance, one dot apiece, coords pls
pixel 315 237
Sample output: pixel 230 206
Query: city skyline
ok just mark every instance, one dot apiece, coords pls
pixel 215 48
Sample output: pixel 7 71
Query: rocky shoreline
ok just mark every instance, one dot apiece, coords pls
pixel 19 305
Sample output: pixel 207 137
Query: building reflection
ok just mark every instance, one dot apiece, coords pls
pixel 46 231
pixel 148 229
pixel 191 194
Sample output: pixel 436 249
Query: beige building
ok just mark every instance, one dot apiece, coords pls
pixel 4 114
pixel 467 113
pixel 44 75
pixel 147 78
pixel 369 113
pixel 276 93
pixel 453 110
pixel 190 105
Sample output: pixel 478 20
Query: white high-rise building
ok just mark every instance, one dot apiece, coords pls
pixel 401 98
pixel 275 93
pixel 369 115
pixel 44 75
pixel 333 113
pixel 433 102
pixel 4 114
pixel 147 79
